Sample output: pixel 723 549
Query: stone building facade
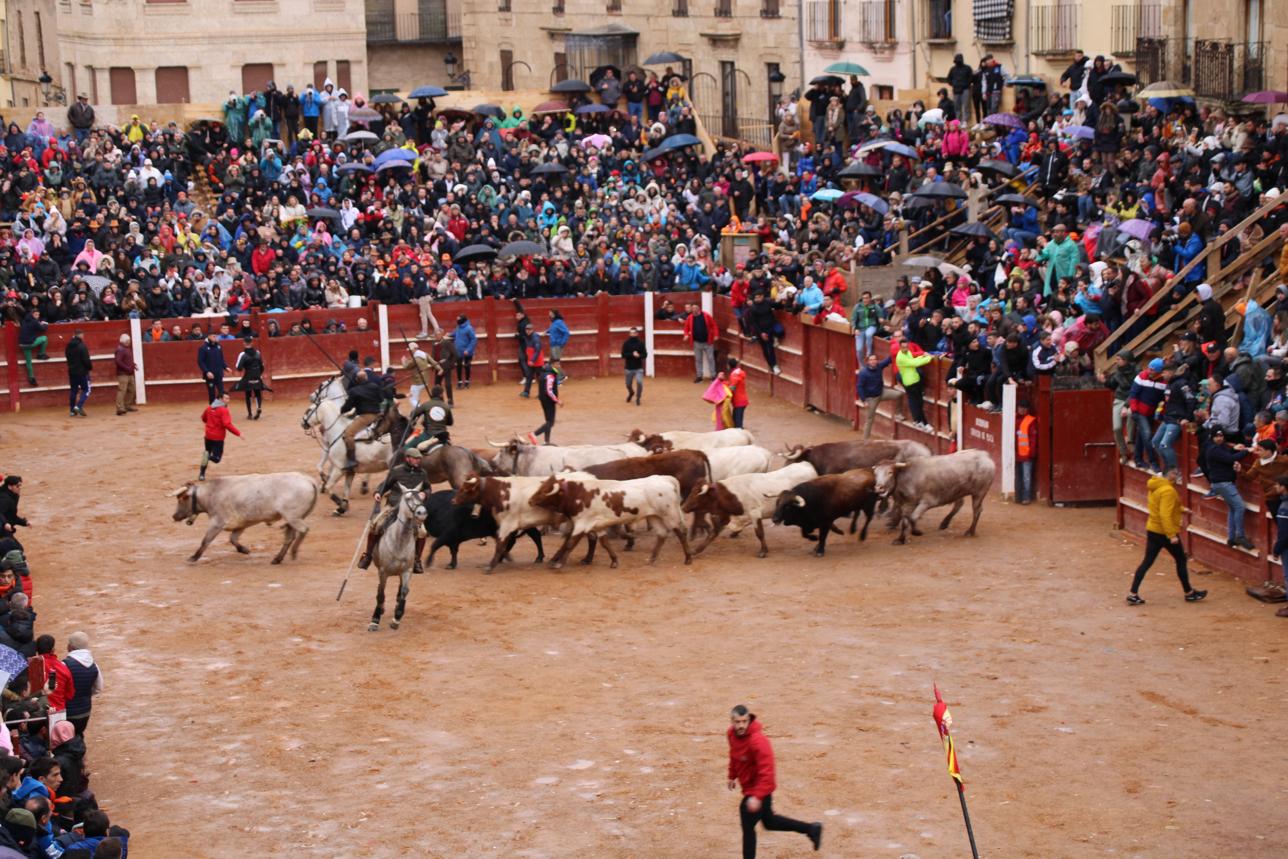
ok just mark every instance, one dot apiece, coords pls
pixel 30 48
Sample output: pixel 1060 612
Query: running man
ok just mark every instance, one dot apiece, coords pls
pixel 751 765
pixel 219 422
pixel 1163 531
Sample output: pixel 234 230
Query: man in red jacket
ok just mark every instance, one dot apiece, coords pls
pixel 219 422
pixel 751 765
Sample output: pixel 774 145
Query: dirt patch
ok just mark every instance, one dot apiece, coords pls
pixel 581 713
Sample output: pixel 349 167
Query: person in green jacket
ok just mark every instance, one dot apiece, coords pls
pixel 235 119
pixel 908 360
pixel 515 118
pixel 261 129
pixel 1061 255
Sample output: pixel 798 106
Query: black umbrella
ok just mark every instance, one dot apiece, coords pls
pixel 942 191
pixel 475 252
pixel 522 249
pixel 1001 168
pixel 1028 81
pixel 1128 106
pixel 1119 77
pixel 829 80
pixel 661 58
pixel 549 167
pixel 491 110
pixel 917 202
pixel 656 152
pixel 386 98
pixel 859 169
pixel 974 229
pixel 322 212
pixel 571 85
pixel 598 74
pixel 1016 200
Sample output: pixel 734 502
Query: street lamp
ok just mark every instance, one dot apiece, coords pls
pixel 450 61
pixel 45 82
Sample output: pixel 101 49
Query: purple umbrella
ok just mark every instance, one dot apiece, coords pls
pixel 1082 132
pixel 1009 120
pixel 1137 228
pixel 1266 96
pixel 872 201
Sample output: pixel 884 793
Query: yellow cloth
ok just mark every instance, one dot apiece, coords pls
pixel 1164 508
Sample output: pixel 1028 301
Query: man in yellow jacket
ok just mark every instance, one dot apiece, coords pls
pixel 1163 531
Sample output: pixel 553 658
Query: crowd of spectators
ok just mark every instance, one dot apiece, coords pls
pixel 47 806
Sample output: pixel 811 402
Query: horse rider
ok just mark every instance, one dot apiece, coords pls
pixel 402 477
pixel 437 416
pixel 422 367
pixel 367 401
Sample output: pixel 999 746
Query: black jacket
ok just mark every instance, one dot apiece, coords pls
pixel 1220 462
pixel 9 507
pixel 960 77
pixel 1179 405
pixel 1212 322
pixel 365 399
pixel 634 345
pixel 78 361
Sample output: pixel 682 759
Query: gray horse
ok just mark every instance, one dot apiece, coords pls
pixel 396 553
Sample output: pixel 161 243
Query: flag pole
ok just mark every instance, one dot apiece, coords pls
pixel 970 832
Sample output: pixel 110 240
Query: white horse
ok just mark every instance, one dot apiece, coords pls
pixel 324 422
pixel 395 554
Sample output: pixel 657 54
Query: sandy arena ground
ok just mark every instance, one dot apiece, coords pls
pixel 581 713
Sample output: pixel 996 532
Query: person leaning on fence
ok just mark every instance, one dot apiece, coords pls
pixel 1119 380
pixel 871 390
pixel 909 359
pixel 1163 531
pixel 1222 469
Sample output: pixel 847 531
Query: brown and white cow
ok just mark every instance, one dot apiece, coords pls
pixel 687 466
pixel 506 498
pixel 594 506
pixel 687 440
pixel 837 456
pixel 532 460
pixel 917 485
pixel 742 501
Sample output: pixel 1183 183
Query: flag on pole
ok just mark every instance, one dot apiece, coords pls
pixel 944 722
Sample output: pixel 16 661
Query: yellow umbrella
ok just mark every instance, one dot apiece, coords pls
pixel 1166 89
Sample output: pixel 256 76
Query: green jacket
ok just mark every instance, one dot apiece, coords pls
pixel 907 364
pixel 1062 260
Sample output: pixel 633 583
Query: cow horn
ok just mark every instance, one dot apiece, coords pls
pixel 799 502
pixel 504 444
pixel 182 489
pixel 706 487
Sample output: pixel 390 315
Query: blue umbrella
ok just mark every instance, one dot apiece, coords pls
pixel 656 152
pixel 427 92
pixel 901 149
pixel 592 108
pixel 872 201
pixel 397 154
pixel 12 662
pixel 355 167
pixel 827 195
pixel 393 165
pixel 1167 105
pixel 1082 132
pixel 679 141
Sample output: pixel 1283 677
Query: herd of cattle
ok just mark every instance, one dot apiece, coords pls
pixel 690 485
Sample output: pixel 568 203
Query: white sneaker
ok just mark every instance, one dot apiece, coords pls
pixel 778 371
pixel 987 404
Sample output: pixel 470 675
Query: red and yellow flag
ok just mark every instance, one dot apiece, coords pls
pixel 944 722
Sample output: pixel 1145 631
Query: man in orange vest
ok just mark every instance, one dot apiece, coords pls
pixel 1026 450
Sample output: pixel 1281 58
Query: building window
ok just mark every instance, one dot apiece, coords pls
pixel 561 67
pixel 939 19
pixel 255 76
pixel 122 79
pixel 69 81
pixel 679 8
pixel 615 7
pixel 878 22
pixel 724 8
pixel 558 7
pixel 40 41
pixel 172 85
pixel 823 20
pixel 344 76
pixel 774 77
pixel 769 9
pixel 93 84
pixel 883 92
pixel 319 75
pixel 503 6
pixel 507 71
pixel 22 43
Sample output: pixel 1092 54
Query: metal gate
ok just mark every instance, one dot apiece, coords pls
pixel 1082 455
pixel 704 92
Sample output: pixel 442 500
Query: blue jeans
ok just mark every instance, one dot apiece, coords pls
pixel 1015 234
pixel 1144 447
pixel 1024 480
pixel 1164 442
pixel 863 341
pixel 636 109
pixel 1229 493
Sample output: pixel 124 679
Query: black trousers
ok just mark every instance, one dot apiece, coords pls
pixel 1154 543
pixel 463 368
pixel 257 395
pixel 916 401
pixel 772 822
pixel 214 388
pixel 548 408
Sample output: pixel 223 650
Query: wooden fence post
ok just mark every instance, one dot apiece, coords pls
pixel 493 339
pixel 603 335
pixel 11 356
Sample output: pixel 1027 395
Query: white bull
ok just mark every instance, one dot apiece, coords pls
pixel 235 503
pixel 688 440
pixel 743 501
pixel 918 485
pixel 531 460
pixel 744 459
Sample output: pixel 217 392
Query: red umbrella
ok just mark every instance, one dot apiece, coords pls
pixel 754 157
pixel 1266 97
pixel 550 107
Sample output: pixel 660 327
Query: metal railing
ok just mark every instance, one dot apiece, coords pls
pixel 770 9
pixel 413 27
pixel 1132 21
pixel 724 8
pixel 878 22
pixel 939 19
pixel 823 20
pixel 679 8
pixel 1053 29
pixel 1151 59
pixel 1226 70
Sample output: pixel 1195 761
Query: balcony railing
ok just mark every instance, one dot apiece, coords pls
pixel 770 9
pixel 413 27
pixel 679 8
pixel 1151 59
pixel 823 20
pixel 878 22
pixel 1053 29
pixel 1226 70
pixel 724 8
pixel 939 19
pixel 1132 21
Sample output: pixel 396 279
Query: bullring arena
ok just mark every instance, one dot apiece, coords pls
pixel 582 712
